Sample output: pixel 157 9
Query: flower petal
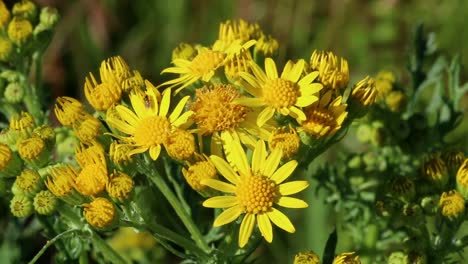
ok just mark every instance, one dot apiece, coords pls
pixel 297 113
pixel 281 220
pixel 228 216
pixel 265 115
pixel 154 152
pixel 258 156
pixel 308 78
pixel 225 169
pixel 219 185
pixel 165 102
pixel 246 229
pixel 290 202
pixel 239 157
pixel 264 225
pixel 221 202
pixel 248 101
pixel 270 69
pixel 292 187
pixel 272 162
pixel 178 109
pixel 284 172
pixel 304 101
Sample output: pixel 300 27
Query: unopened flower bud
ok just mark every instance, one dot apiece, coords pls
pixel 308 257
pixel 100 212
pixel 184 51
pixel 14 93
pixel 362 97
pixel 396 101
pixel 435 171
pixel 19 30
pixel 180 145
pixel 45 202
pixel 429 204
pixel 33 150
pixel 402 188
pixel 25 9
pixel 198 171
pixel 4 15
pixel 28 183
pixel 10 163
pixel 6 47
pixel 452 205
pixel 462 179
pixel 347 258
pixel 21 206
pixel 120 186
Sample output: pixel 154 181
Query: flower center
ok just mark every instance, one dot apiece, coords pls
pixel 319 122
pixel 99 212
pixel 180 145
pixel 152 131
pixel 280 93
pixel 206 61
pixel 120 185
pixel 256 194
pixel 214 111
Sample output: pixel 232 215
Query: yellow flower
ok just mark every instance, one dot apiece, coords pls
pixel 435 170
pixel 88 129
pixel 184 51
pixel 324 117
pixel 238 63
pixel 4 15
pixel 6 47
pixel 346 258
pixel 333 73
pixel 45 203
pixel 253 190
pixel 202 67
pixel 235 31
pixel 364 92
pixel 69 111
pixel 147 126
pixel 118 153
pixel 462 178
pixel 180 144
pixel 286 139
pixel 61 180
pixel 119 186
pixel 309 257
pixel 203 168
pixel 29 182
pixel 452 204
pixel 92 179
pixel 19 30
pixel 21 206
pixel 24 123
pixel 25 8
pixel 267 45
pixel 384 84
pixel 285 94
pixel 100 212
pixel 103 95
pixel 33 150
pixel 396 101
pixel 5 156
pixel 10 163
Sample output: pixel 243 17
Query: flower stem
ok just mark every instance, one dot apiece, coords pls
pixel 50 243
pixel 108 252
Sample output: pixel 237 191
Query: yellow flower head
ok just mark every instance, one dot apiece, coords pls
pixel 45 203
pixel 396 101
pixel 69 111
pixel 148 125
pixel 23 123
pixel 28 182
pixel 184 51
pixel 103 95
pixel 61 180
pixel 118 153
pixel 333 72
pixel 452 204
pixel 462 178
pixel 238 63
pixel 180 144
pixel 4 15
pixel 324 117
pixel 235 31
pixel 201 67
pixel 253 190
pixel 92 179
pixel 202 169
pixel 384 84
pixel 6 47
pixel 45 132
pixel 21 206
pixel 266 45
pixel 309 257
pixel 19 30
pixel 88 129
pixel 5 156
pixel 435 170
pixel 31 148
pixel 347 258
pixel 364 92
pixel 285 94
pixel 119 186
pixel 134 82
pixel 99 213
pixel 25 8
pixel 114 70
pixel 286 139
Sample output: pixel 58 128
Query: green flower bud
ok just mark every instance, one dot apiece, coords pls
pixel 11 76
pixel 397 257
pixel 14 93
pixel 416 258
pixel 429 204
pixel 396 101
pixel 453 159
pixel 9 136
pixel 355 162
pixel 27 183
pixel 434 170
pixel 364 133
pixel 49 17
pixel 21 206
pixel 45 203
pixel 46 133
pixel 26 9
pixel 6 47
pixel 402 188
pixel 308 257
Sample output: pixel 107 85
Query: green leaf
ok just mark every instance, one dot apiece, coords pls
pixel 330 247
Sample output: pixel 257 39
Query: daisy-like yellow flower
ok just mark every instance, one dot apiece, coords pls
pixel 147 125
pixel 203 66
pixel 253 190
pixel 324 117
pixel 285 94
pixel 233 31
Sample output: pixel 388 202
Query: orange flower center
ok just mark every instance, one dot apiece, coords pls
pixel 256 194
pixel 280 93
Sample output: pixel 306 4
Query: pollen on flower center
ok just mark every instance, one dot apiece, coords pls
pixel 152 131
pixel 256 194
pixel 206 61
pixel 280 93
pixel 214 111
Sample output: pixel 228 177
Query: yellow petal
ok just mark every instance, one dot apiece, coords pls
pixel 138 105
pixel 127 115
pixel 247 101
pixel 284 172
pixel 178 109
pixel 221 202
pixel 154 152
pixel 165 102
pixel 265 115
pixel 228 216
pixel 258 72
pixel 258 156
pixel 239 157
pixel 308 78
pixel 296 71
pixel 225 169
pixel 270 69
pixel 290 202
pixel 272 162
pixel 304 101
pixel 183 120
pixel 219 185
pixel 297 113
pixel 264 225
pixel 310 89
pixel 281 220
pixel 246 229
pixel 292 187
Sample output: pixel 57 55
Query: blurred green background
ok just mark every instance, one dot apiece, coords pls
pixel 371 35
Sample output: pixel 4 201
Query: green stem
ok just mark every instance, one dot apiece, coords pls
pixel 108 252
pixel 50 243
pixel 180 211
